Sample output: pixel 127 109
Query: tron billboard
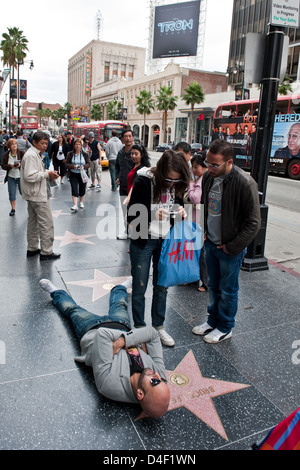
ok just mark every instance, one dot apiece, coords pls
pixel 176 30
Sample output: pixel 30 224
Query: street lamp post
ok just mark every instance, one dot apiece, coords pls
pixel 21 62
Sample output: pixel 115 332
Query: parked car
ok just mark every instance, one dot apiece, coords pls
pixel 196 147
pixel 104 159
pixel 162 147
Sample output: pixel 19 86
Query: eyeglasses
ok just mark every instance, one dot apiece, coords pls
pixel 154 381
pixel 293 136
pixel 170 180
pixel 213 165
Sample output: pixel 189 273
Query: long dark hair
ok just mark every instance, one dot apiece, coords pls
pixel 170 161
pixel 145 160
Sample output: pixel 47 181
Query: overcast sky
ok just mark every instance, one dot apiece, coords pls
pixel 58 29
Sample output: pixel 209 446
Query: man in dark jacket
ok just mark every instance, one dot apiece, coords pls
pixel 124 164
pixel 231 221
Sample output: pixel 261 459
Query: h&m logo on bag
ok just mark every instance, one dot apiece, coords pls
pixel 177 253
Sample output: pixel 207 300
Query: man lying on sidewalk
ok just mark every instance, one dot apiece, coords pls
pixel 127 364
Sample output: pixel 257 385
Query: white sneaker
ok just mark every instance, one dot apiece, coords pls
pixel 127 283
pixel 165 338
pixel 47 285
pixel 74 208
pixel 98 188
pixel 202 329
pixel 216 336
pixel 81 205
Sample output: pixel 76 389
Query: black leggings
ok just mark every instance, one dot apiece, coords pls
pixel 77 185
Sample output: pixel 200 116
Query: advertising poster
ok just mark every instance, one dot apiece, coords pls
pixel 13 92
pixel 23 89
pixel 286 137
pixel 176 30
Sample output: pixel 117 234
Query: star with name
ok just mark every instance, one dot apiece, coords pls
pixel 68 238
pixel 191 390
pixel 101 284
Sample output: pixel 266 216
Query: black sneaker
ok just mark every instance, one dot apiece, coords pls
pixel 33 253
pixel 52 256
pixel 92 186
pixel 12 212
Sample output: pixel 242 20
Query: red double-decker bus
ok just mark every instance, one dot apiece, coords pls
pixel 29 124
pixel 101 129
pixel 236 122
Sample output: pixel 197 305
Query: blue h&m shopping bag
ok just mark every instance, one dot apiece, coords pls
pixel 180 253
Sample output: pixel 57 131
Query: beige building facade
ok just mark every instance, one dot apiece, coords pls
pixel 102 62
pixel 178 78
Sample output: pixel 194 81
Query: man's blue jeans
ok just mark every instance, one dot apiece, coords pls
pixel 112 170
pixel 83 321
pixel 140 267
pixel 223 285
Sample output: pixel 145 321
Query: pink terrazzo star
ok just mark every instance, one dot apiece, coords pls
pixel 191 390
pixel 101 284
pixel 68 238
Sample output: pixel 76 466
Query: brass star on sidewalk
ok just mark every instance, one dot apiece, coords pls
pixel 101 284
pixel 191 390
pixel 68 238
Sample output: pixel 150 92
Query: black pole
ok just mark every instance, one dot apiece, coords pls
pixel 255 259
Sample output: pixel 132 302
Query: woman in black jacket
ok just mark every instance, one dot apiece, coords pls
pixel 154 194
pixel 59 150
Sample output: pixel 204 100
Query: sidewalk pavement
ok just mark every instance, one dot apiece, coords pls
pixel 223 397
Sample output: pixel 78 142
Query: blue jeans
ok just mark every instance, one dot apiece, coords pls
pixel 83 321
pixel 223 285
pixel 140 267
pixel 12 184
pixel 112 170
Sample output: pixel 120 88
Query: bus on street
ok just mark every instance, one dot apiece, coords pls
pixel 236 122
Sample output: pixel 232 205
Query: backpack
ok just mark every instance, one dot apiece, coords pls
pixel 284 436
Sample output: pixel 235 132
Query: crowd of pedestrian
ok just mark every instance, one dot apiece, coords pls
pixel 229 200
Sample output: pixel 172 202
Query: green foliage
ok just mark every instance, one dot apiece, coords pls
pixel 145 105
pixel 113 108
pixel 13 47
pixel 193 95
pixel 96 112
pixel 166 101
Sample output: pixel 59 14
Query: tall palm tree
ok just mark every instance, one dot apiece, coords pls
pixel 13 47
pixel 193 95
pixel 145 104
pixel 166 102
pixel 96 112
pixel 112 108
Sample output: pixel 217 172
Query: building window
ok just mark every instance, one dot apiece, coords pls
pixel 123 70
pixel 106 71
pixel 130 72
pixel 115 70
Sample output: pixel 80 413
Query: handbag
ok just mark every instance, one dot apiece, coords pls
pixel 180 254
pixel 84 176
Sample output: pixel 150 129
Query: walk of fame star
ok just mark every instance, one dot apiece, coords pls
pixel 101 284
pixel 191 390
pixel 68 238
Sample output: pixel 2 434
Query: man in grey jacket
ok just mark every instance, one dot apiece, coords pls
pixel 36 191
pixel 231 221
pixel 113 146
pixel 127 364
